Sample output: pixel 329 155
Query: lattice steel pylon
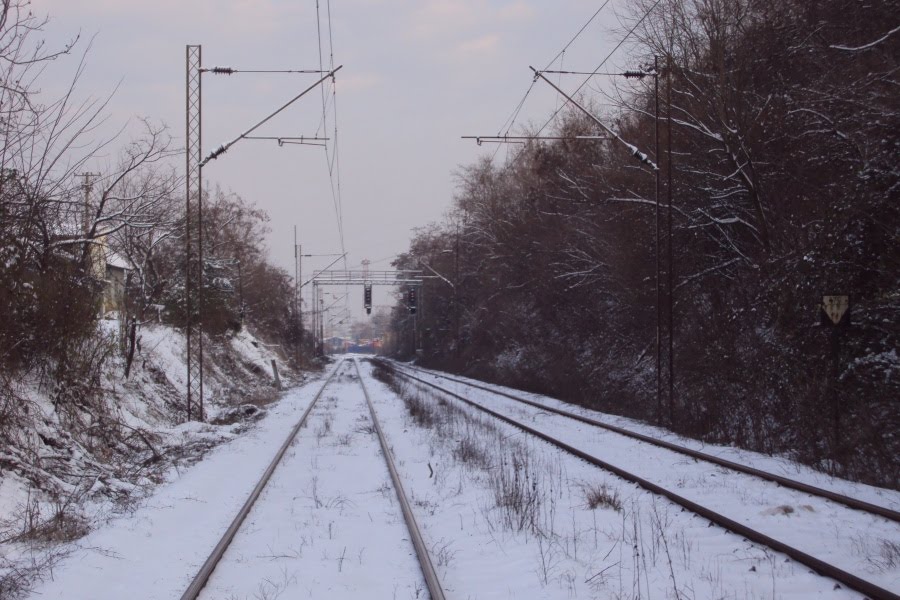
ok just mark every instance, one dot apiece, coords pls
pixel 193 236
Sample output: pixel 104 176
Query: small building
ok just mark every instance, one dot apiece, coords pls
pixel 115 277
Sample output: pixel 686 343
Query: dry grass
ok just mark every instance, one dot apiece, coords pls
pixel 472 450
pixel 602 496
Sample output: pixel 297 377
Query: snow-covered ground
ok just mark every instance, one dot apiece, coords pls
pixel 647 547
pixel 862 544
pixel 504 515
pixel 328 524
pixel 154 552
pixel 779 465
pixel 71 463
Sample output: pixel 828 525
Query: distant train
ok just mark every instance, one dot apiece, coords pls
pixel 338 345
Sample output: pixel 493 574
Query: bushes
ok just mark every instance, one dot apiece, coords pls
pixel 783 182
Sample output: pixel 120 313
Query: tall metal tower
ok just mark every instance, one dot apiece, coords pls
pixel 194 206
pixel 193 237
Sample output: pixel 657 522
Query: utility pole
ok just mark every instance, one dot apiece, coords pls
pixel 671 273
pixel 456 294
pixel 321 322
pixel 298 301
pixel 314 317
pixel 658 249
pixel 296 271
pixel 193 284
pixel 87 187
pixel 194 204
pixel 635 152
pixel 241 290
pixel 298 258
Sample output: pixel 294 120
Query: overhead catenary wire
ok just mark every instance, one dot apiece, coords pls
pixel 511 120
pixel 224 147
pixel 626 74
pixel 323 124
pixel 602 63
pixel 232 71
pixel 522 139
pixel 282 140
pixel 631 147
pixel 332 159
pixel 328 118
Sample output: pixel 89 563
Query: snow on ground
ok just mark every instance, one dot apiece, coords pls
pixel 859 543
pixel 154 552
pixel 778 465
pixel 505 516
pixel 631 544
pixel 328 524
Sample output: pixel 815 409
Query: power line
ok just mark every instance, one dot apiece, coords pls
pixel 510 122
pixel 603 62
pixel 329 107
pixel 324 123
pixel 232 71
pixel 334 162
pixel 580 31
pixel 336 155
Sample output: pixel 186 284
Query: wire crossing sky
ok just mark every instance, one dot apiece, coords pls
pixel 417 75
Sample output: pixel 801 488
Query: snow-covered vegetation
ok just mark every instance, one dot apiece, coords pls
pixel 92 357
pixel 784 171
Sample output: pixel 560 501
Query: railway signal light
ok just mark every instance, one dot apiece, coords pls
pixel 411 300
pixel 367 298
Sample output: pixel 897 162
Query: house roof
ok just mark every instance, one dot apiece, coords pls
pixel 114 259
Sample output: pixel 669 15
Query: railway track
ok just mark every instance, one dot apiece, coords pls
pixel 208 568
pixel 824 568
pixel 854 503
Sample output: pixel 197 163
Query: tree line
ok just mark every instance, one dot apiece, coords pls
pixel 784 184
pixel 61 225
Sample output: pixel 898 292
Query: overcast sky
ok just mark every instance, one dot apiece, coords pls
pixel 417 75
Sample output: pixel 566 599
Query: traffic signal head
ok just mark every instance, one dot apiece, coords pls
pixel 411 300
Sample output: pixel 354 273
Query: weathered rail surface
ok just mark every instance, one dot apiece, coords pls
pixel 206 571
pixel 428 571
pixel 209 566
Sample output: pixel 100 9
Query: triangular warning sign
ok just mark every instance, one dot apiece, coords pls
pixel 835 307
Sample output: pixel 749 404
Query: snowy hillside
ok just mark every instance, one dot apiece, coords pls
pixel 68 466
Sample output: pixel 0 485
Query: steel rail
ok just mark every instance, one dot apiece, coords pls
pixel 206 571
pixel 819 566
pixel 428 571
pixel 853 503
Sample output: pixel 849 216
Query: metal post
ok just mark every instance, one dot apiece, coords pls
pixel 315 315
pixel 241 290
pixel 321 323
pixel 836 377
pixel 671 270
pixel 193 275
pixel 87 255
pixel 456 295
pixel 298 303
pixel 658 290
